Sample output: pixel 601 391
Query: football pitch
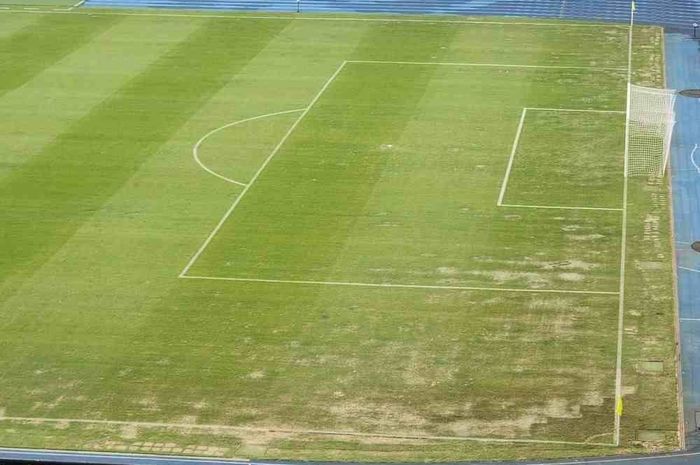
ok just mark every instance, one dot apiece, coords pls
pixel 347 238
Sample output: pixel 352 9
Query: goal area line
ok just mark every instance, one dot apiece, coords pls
pixel 514 150
pixel 291 431
pixel 555 207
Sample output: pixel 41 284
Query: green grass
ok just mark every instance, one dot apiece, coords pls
pixel 38 3
pixel 391 177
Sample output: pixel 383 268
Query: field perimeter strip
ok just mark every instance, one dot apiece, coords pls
pixel 400 286
pixel 141 458
pixel 288 16
pixel 419 437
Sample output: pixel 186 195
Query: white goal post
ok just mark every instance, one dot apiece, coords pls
pixel 651 119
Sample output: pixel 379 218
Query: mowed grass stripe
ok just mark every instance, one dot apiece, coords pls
pixel 309 197
pixel 11 24
pixel 44 42
pixel 46 200
pixel 75 86
pixel 31 3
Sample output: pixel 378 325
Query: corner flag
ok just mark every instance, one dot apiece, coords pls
pixel 618 407
pixel 634 6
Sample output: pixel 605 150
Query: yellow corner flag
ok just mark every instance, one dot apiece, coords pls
pixel 618 407
pixel 634 6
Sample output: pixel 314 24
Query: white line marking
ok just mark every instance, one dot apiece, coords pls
pixel 195 149
pixel 623 242
pixel 294 431
pixel 312 17
pixel 485 65
pixel 692 158
pixel 688 269
pixel 260 170
pixel 509 168
pixel 556 207
pixel 583 110
pixel 400 286
pixel 78 4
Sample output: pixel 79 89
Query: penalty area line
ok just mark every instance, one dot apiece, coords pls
pixel 398 286
pixel 150 424
pixel 484 65
pixel 511 160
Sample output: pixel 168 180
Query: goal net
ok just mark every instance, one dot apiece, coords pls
pixel 651 120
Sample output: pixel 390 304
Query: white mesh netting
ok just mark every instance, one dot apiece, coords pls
pixel 651 120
